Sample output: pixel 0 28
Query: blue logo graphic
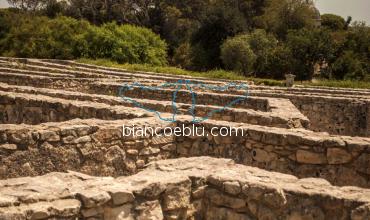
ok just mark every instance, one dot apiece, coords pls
pixel 191 87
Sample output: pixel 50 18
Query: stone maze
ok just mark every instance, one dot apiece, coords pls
pixel 299 153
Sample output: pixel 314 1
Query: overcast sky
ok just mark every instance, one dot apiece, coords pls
pixel 358 9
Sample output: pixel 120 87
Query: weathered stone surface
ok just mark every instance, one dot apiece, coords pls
pixel 309 157
pixel 338 156
pixel 275 121
pixel 10 147
pixel 266 195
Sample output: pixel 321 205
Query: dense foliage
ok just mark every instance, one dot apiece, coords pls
pixel 237 54
pixel 68 38
pixel 261 38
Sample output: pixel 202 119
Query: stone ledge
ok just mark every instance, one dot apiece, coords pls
pixel 96 147
pixel 283 112
pixel 200 188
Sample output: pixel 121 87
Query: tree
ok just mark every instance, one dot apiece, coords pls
pixel 237 54
pixel 352 59
pixel 309 47
pixel 349 66
pixel 262 45
pixel 333 22
pixel 222 21
pixel 283 15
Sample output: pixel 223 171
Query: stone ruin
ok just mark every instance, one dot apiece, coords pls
pixel 63 154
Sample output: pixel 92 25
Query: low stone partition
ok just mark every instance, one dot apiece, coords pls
pixel 194 188
pixel 99 148
pixel 91 146
pixel 7 70
pixel 341 160
pixel 335 111
pixel 18 64
pixel 336 115
pixel 110 71
pixel 17 108
pixel 283 113
pixel 182 96
pixel 54 82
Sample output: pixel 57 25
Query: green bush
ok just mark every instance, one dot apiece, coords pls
pixel 257 52
pixel 68 38
pixel 348 66
pixel 309 47
pixel 40 37
pixel 333 22
pixel 263 45
pixel 279 61
pixel 237 55
pixel 182 56
pixel 126 44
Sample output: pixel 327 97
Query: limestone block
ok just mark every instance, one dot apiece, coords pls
pixel 123 212
pixel 177 196
pixel 149 151
pixel 260 155
pixel 93 198
pixel 275 199
pixel 220 199
pixel 50 136
pixel 338 156
pixel 81 140
pixel 232 188
pixel 150 210
pixel 8 147
pixel 309 157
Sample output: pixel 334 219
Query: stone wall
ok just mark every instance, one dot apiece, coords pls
pixel 340 160
pixel 185 96
pixel 17 108
pixel 336 116
pixel 194 188
pixel 283 113
pixel 98 148
pixel 93 147
pixel 337 111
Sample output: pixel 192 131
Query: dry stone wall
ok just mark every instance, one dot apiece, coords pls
pixel 282 112
pixel 48 156
pixel 340 160
pixel 20 108
pixel 336 115
pixel 101 149
pixel 93 147
pixel 194 188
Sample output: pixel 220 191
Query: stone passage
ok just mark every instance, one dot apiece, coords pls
pixel 298 153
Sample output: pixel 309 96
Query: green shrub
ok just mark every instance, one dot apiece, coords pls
pixel 263 46
pixel 309 47
pixel 126 43
pixel 333 22
pixel 349 66
pixel 68 38
pixel 182 56
pixel 237 55
pixel 40 37
pixel 278 63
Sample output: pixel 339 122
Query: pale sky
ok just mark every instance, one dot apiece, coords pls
pixel 358 9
